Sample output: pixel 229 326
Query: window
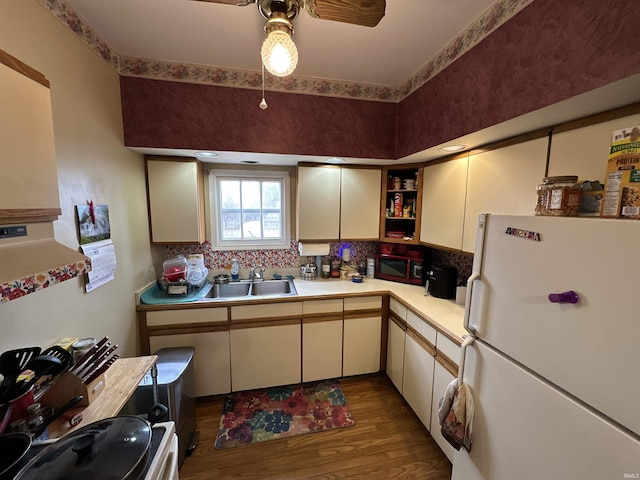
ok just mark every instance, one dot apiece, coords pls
pixel 249 209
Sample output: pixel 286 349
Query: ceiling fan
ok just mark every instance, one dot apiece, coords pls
pixel 279 53
pixel 358 12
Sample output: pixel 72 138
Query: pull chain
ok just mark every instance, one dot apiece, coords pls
pixel 263 102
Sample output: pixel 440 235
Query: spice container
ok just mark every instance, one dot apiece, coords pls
pixel 326 269
pixel 335 268
pixel 558 196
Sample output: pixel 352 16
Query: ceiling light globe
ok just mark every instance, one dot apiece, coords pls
pixel 279 54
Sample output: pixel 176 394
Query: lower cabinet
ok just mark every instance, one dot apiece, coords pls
pixel 321 350
pixel 362 338
pixel 395 353
pixel 210 361
pixel 362 335
pixel 205 329
pixel 417 380
pixel 265 356
pixel 441 379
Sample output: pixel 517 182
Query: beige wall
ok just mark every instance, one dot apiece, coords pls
pixel 93 165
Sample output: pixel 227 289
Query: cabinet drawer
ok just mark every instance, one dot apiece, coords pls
pixel 450 349
pixel 242 312
pixel 399 309
pixel 362 303
pixel 423 328
pixel 177 317
pixel 313 307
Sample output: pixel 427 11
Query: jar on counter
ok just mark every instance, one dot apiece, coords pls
pixel 326 269
pixel 80 347
pixel 335 268
pixel 558 196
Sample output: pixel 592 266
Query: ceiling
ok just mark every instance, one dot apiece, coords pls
pixel 411 35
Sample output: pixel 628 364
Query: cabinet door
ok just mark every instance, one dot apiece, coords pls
pixel 443 203
pixel 503 181
pixel 321 350
pixel 417 382
pixel 362 338
pixel 319 203
pixel 395 354
pixel 176 208
pixel 584 151
pixel 441 379
pixel 265 356
pixel 210 362
pixel 360 204
pixel 29 178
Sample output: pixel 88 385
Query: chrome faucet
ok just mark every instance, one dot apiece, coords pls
pixel 256 275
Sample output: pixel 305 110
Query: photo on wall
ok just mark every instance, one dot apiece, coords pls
pixel 93 223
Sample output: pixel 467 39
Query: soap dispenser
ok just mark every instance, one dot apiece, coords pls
pixel 235 269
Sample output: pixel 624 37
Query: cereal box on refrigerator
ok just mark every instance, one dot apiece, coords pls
pixel 622 184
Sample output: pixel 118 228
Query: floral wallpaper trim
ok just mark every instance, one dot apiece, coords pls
pixel 39 281
pixel 495 16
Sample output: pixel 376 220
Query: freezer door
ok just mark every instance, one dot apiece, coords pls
pixel 589 348
pixel 525 428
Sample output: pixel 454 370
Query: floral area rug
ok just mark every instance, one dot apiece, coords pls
pixel 267 414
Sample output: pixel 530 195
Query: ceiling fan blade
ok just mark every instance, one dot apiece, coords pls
pixel 240 3
pixel 367 13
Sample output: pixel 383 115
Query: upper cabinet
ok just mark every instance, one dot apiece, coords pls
pixel 444 189
pixel 176 200
pixel 584 151
pixel 503 181
pixel 29 180
pixel 360 203
pixel 338 203
pixel 402 205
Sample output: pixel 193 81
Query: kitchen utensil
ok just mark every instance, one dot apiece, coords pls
pixel 89 355
pixel 221 279
pixel 15 453
pixel 56 413
pixel 117 445
pixel 60 353
pixel 158 411
pixel 100 369
pixel 13 363
pixel 95 359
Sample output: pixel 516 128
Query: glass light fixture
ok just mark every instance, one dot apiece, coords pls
pixel 279 53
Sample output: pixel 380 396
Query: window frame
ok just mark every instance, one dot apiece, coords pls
pixel 215 176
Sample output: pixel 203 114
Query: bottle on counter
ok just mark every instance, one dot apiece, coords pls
pixel 235 269
pixel 371 266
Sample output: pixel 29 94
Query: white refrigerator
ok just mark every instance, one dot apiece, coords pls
pixel 556 384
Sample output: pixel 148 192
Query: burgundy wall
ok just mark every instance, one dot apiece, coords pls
pixel 182 115
pixel 551 51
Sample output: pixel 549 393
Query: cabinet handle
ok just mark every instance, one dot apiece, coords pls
pixel 565 297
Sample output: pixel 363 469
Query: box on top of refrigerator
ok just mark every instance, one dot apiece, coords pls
pixel 622 184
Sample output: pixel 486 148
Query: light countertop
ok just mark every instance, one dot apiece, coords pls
pixel 445 315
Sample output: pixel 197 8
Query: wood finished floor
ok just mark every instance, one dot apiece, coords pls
pixel 387 442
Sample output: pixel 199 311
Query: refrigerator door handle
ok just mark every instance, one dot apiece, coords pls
pixel 476 269
pixel 467 304
pixel 463 353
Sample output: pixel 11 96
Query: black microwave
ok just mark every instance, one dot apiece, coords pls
pixel 400 269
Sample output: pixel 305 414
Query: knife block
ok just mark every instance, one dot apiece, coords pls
pixel 69 386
